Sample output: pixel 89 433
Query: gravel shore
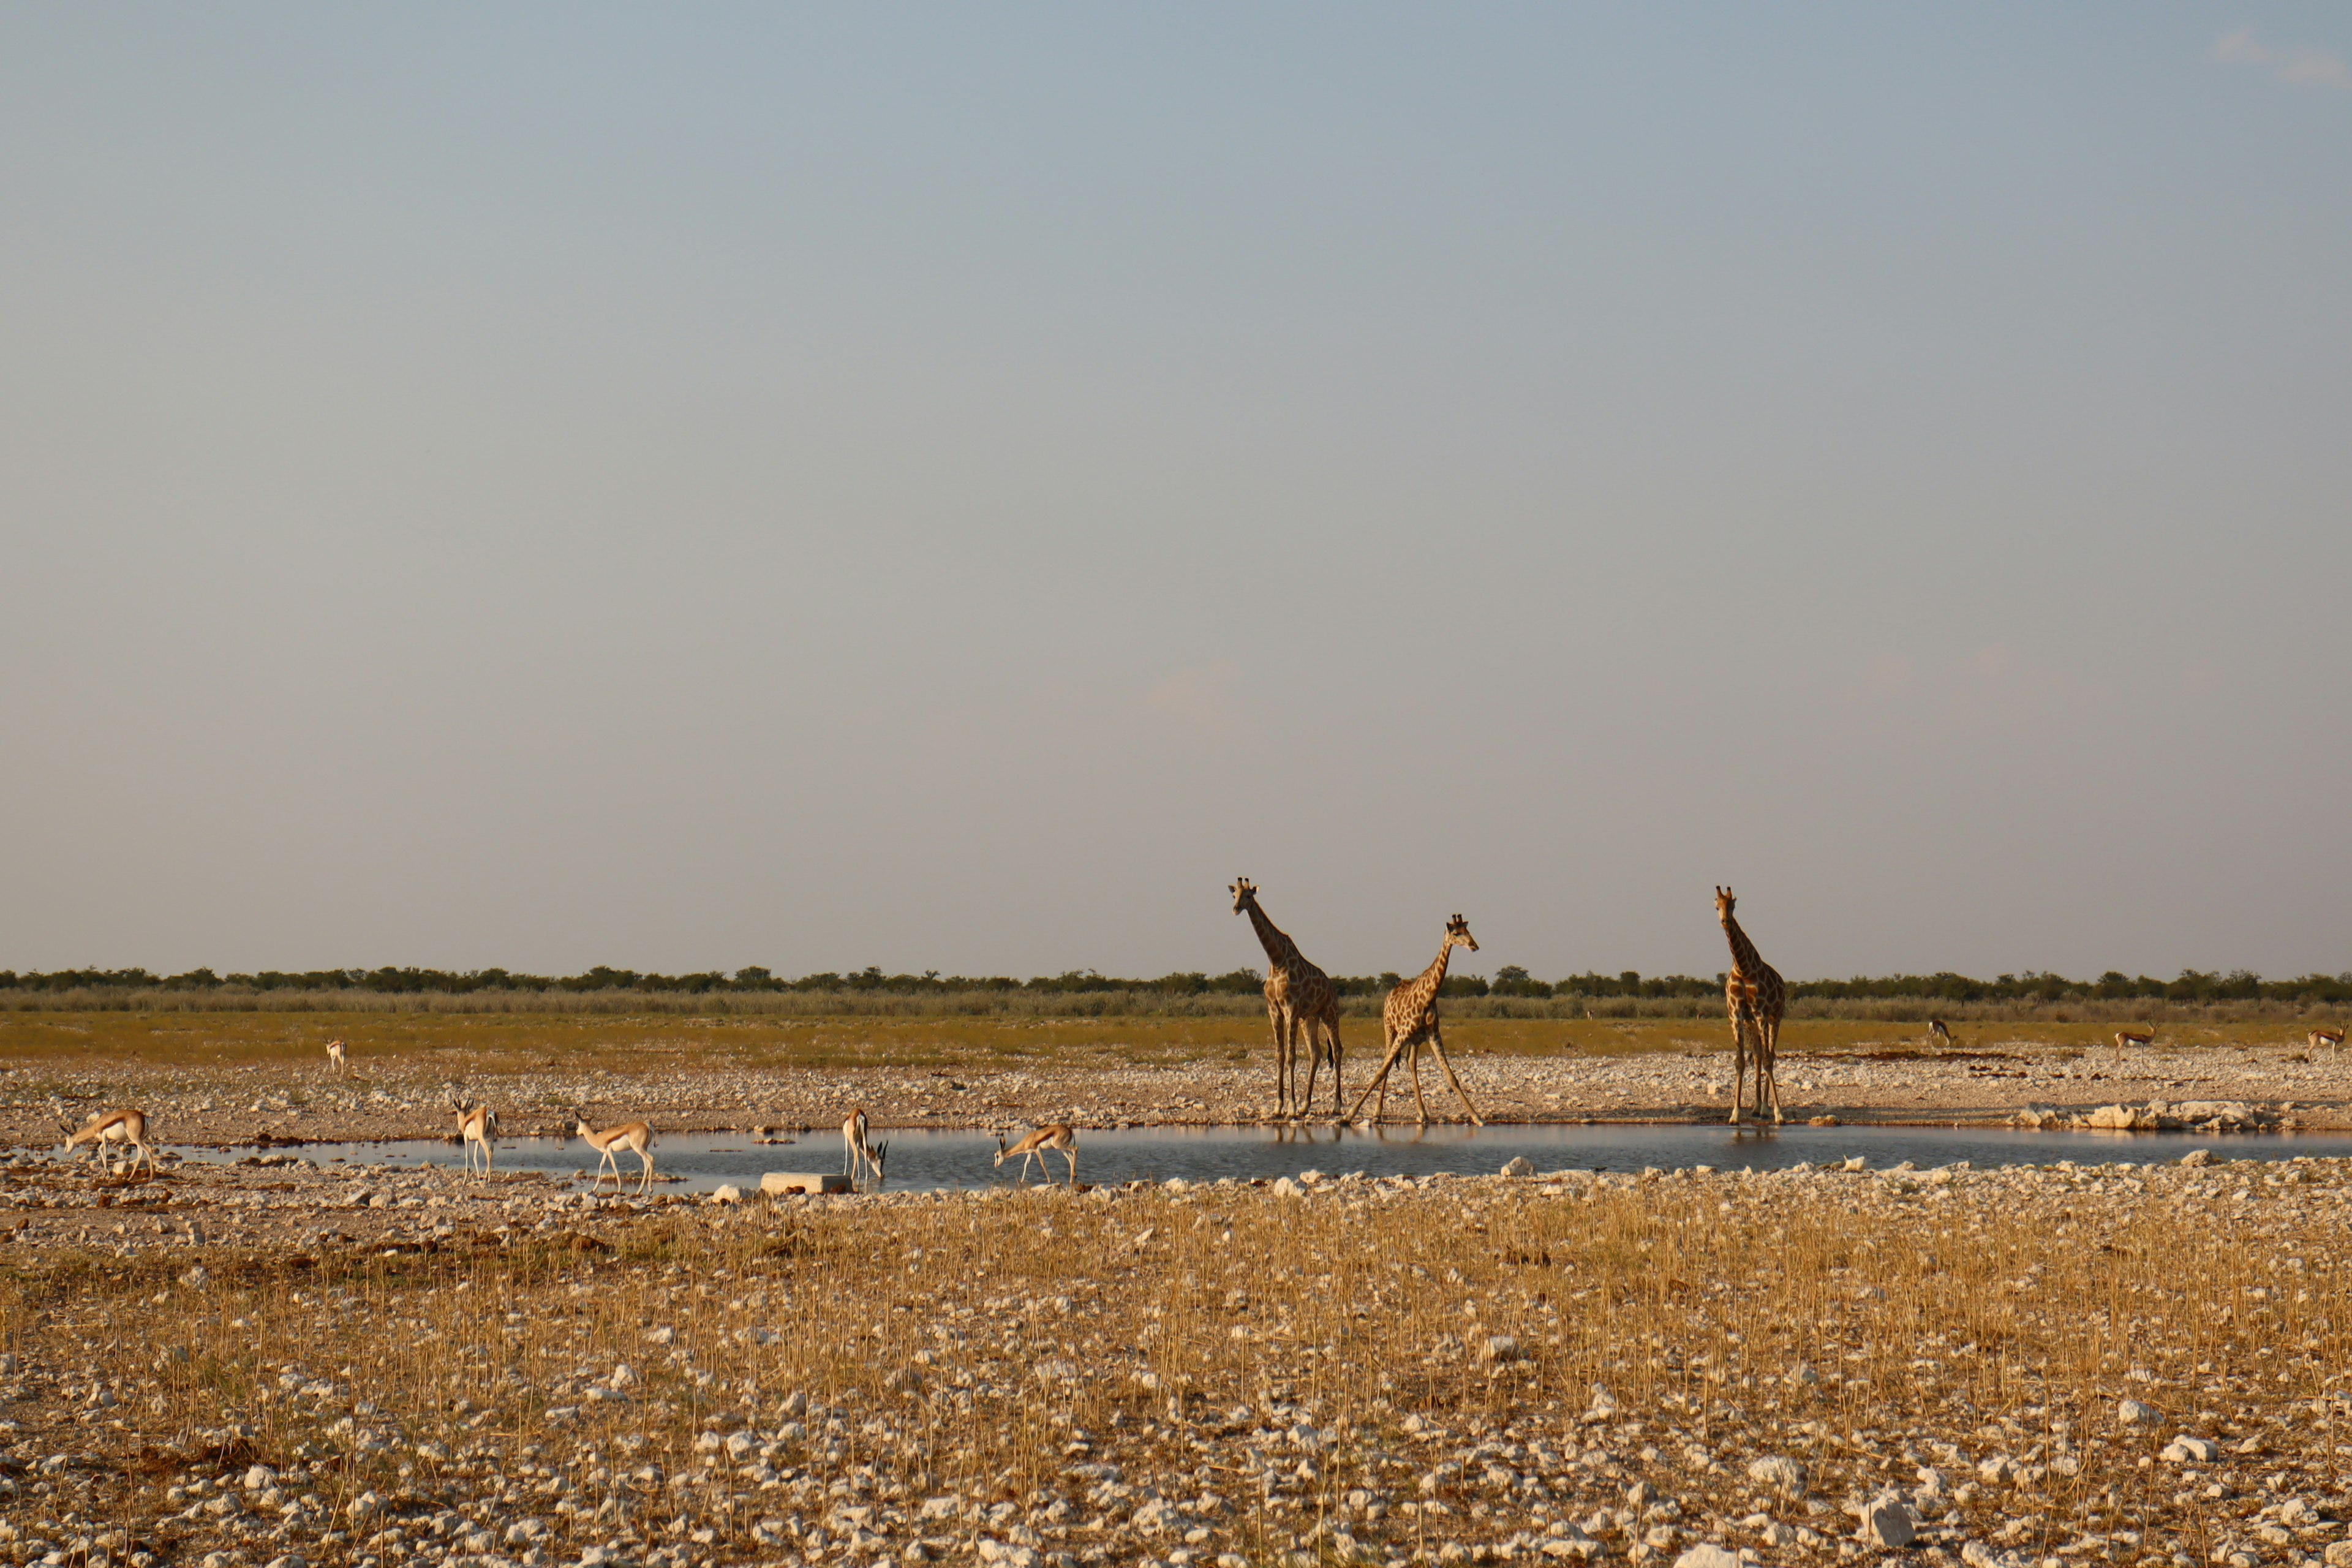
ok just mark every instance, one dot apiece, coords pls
pixel 404 1097
pixel 1999 1368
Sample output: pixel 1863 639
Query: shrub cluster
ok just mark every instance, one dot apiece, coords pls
pixel 1509 981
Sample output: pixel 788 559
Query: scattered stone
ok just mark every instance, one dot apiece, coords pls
pixel 1708 1555
pixel 1887 1522
pixel 2189 1451
pixel 2132 1413
pixel 1519 1166
pixel 1782 1474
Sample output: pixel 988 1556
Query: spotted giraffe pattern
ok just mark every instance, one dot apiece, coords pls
pixel 1410 1017
pixel 1756 999
pixel 1299 998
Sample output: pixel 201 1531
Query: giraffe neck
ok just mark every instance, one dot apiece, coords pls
pixel 1425 989
pixel 1280 951
pixel 1745 959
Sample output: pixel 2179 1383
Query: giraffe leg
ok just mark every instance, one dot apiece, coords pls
pixel 1337 1055
pixel 1768 1064
pixel 1739 1061
pixel 1273 1022
pixel 1381 1082
pixel 1437 1040
pixel 1421 1104
pixel 1308 1027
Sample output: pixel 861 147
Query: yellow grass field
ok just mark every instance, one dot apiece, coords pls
pixel 492 1043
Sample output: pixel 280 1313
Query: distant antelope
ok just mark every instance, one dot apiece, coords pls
pixel 2133 1037
pixel 2319 1038
pixel 635 1136
pixel 1058 1136
pixel 1938 1031
pixel 856 1150
pixel 475 1124
pixel 110 1127
pixel 335 1055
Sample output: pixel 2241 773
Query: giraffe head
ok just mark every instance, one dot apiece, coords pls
pixel 1457 934
pixel 1244 894
pixel 1724 899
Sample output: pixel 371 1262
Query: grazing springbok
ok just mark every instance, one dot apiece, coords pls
pixel 475 1124
pixel 1938 1031
pixel 856 1150
pixel 635 1136
pixel 335 1055
pixel 2319 1038
pixel 2133 1037
pixel 110 1127
pixel 1058 1136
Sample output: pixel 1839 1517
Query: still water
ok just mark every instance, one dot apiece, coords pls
pixel 932 1161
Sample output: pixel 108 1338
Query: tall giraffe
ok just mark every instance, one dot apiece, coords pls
pixel 1410 1017
pixel 1756 999
pixel 1299 998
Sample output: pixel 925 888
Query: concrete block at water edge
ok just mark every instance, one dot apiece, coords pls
pixel 777 1182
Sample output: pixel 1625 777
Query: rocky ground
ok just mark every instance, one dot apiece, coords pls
pixel 273 1364
pixel 395 1096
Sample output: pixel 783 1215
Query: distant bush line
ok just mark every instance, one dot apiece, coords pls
pixel 1511 992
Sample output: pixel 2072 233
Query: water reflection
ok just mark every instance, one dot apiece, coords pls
pixel 923 1160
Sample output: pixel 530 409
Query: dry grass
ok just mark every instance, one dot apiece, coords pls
pixel 982 1348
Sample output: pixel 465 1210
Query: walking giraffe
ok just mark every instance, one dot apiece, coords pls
pixel 1410 1017
pixel 1298 997
pixel 1756 999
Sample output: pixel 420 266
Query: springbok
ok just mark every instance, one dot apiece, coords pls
pixel 635 1136
pixel 2319 1038
pixel 335 1055
pixel 475 1124
pixel 2133 1037
pixel 856 1150
pixel 1058 1136
pixel 1938 1031
pixel 110 1127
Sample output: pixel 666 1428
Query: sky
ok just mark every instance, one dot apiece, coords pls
pixel 952 487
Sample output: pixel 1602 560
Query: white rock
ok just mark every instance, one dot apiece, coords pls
pixel 1284 1187
pixel 1885 1522
pixel 1520 1165
pixel 727 1195
pixel 2132 1413
pixel 2198 1157
pixel 2189 1451
pixel 1780 1473
pixel 1502 1348
pixel 197 1276
pixel 1708 1555
pixel 1977 1554
pixel 259 1476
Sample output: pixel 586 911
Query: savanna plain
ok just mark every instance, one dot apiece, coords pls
pixel 242 1364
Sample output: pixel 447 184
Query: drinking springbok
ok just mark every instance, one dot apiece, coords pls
pixel 110 1127
pixel 856 1150
pixel 1058 1136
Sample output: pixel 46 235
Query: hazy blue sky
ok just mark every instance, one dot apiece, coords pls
pixel 688 487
